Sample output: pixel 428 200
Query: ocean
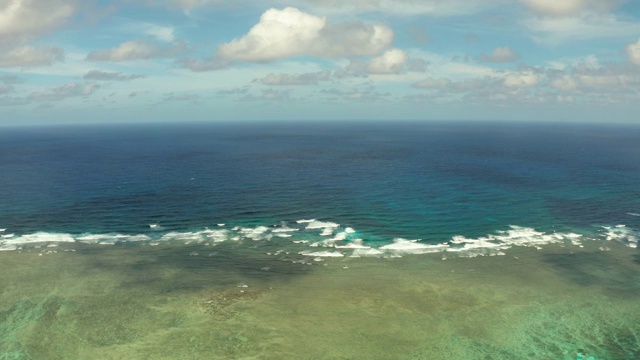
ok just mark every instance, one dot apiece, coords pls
pixel 320 240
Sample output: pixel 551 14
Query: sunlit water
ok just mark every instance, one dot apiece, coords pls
pixel 367 241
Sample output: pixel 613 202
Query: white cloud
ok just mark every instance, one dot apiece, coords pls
pixel 64 91
pixel 281 79
pixel 140 49
pixel 433 83
pixel 521 80
pixel 21 20
pixel 401 7
pixel 110 76
pixel 554 30
pixel 291 32
pixel 391 62
pixel 633 52
pixel 502 54
pixel 367 94
pixel 565 83
pixel 562 8
pixel 27 56
pixel 604 81
pixel 269 95
pixel 164 33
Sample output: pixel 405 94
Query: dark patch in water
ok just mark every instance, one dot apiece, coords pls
pixel 597 269
pixel 167 269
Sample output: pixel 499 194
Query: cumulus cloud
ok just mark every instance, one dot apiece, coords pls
pixel 296 79
pixel 461 86
pixel 633 52
pixel 64 91
pixel 521 80
pixel 139 49
pixel 269 95
pixel 21 20
pixel 110 76
pixel 391 62
pixel 569 8
pixel 185 5
pixel 565 83
pixel 291 32
pixel 27 56
pixel 433 83
pixel 503 54
pixel 401 7
pixel 367 94
pixel 554 30
pixel 164 33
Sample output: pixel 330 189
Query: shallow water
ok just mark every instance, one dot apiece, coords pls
pixel 166 302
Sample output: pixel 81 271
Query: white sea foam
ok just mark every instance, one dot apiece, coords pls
pixel 42 237
pixel 354 244
pixel 186 237
pixel 517 236
pixel 3 230
pixel 368 252
pixel 623 234
pixel 315 224
pixel 33 240
pixel 633 214
pixel 284 229
pixel 215 235
pixel 254 233
pixel 335 239
pixel 322 253
pixel 404 246
pixel 326 232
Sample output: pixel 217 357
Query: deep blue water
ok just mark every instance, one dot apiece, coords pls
pixel 413 180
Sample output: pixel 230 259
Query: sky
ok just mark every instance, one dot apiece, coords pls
pixel 93 61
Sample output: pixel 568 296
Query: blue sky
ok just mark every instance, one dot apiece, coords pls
pixel 79 61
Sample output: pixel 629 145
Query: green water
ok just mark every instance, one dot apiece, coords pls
pixel 166 302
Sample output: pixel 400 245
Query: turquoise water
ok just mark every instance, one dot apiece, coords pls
pixel 371 240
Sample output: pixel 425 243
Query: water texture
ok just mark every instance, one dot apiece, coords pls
pixel 321 241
